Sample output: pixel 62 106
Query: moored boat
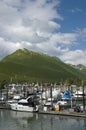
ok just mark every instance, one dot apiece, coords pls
pixel 28 105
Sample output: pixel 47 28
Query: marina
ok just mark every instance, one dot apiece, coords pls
pixel 52 100
pixel 65 112
pixel 38 108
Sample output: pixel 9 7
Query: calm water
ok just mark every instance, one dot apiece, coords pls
pixel 11 120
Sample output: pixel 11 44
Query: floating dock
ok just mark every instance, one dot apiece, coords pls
pixel 65 113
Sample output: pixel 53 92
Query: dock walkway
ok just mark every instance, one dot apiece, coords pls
pixel 65 113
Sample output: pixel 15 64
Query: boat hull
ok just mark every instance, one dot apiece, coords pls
pixel 17 107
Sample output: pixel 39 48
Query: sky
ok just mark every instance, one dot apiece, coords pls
pixel 53 27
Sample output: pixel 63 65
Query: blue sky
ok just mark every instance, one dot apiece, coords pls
pixel 74 14
pixel 54 27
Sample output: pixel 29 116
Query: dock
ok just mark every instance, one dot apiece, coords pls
pixel 4 105
pixel 65 113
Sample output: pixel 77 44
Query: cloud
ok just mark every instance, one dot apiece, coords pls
pixel 23 20
pixel 31 24
pixel 81 33
pixel 75 10
pixel 64 38
pixel 26 23
pixel 74 57
pixel 6 47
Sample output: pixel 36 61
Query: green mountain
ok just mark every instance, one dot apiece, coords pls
pixel 25 65
pixel 81 68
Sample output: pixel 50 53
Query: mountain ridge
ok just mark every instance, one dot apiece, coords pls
pixel 28 65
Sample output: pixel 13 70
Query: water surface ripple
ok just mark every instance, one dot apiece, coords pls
pixel 11 120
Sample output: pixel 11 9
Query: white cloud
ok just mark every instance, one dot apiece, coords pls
pixel 64 38
pixel 6 47
pixel 31 24
pixel 75 10
pixel 23 20
pixel 81 33
pixel 74 57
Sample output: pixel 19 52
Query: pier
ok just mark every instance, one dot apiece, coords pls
pixel 64 113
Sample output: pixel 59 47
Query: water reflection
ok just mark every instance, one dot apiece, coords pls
pixel 22 117
pixel 11 120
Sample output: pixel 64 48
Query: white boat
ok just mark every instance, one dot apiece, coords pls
pixel 15 99
pixel 27 105
pixel 47 94
pixel 49 101
pixel 63 103
pixel 78 93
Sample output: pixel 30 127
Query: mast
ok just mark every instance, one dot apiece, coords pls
pixel 83 97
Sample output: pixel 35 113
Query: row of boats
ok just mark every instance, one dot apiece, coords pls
pixel 35 102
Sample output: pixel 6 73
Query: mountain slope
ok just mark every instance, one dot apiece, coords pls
pixel 28 65
pixel 80 68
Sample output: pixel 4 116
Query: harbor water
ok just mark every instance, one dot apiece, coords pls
pixel 12 120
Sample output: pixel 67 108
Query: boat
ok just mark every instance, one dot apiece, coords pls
pixel 66 95
pixel 15 99
pixel 62 103
pixel 78 93
pixel 29 104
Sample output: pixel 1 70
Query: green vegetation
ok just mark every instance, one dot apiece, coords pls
pixel 25 65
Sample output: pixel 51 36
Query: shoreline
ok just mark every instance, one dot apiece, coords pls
pixel 65 112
